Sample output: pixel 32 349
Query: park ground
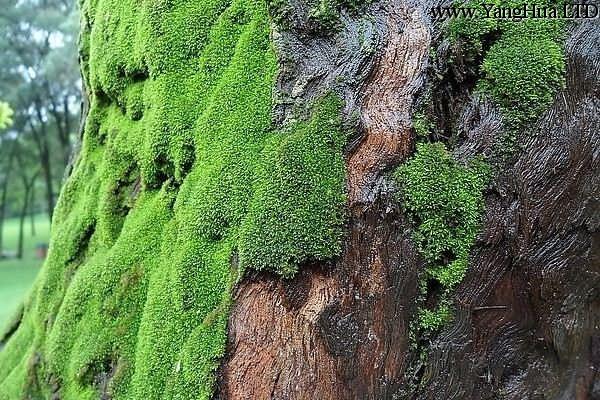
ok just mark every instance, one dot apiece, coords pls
pixel 17 276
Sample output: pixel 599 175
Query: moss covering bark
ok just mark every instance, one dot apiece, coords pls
pixel 180 186
pixel 522 66
pixel 445 200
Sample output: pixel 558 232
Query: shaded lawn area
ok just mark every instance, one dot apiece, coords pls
pixel 17 276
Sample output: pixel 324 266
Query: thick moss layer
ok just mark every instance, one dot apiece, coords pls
pixel 181 185
pixel 524 65
pixel 445 201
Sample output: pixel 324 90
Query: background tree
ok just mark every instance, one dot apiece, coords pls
pixel 7 151
pixel 39 78
pixel 28 171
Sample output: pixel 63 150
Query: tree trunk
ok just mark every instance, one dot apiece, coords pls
pixel 47 172
pixel 216 239
pixel 3 196
pixel 3 212
pixel 28 183
pixel 43 148
pixel 22 218
pixel 32 210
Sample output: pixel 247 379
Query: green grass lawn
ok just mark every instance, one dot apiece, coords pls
pixel 17 276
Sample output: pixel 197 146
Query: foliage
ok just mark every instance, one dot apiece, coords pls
pixel 6 114
pixel 445 201
pixel 39 78
pixel 180 186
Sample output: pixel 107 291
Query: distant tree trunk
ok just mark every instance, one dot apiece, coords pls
pixel 46 168
pixel 59 108
pixel 31 203
pixel 28 183
pixel 43 148
pixel 3 195
pixel 3 211
pixel 22 217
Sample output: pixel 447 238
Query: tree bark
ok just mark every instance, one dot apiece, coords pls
pixel 526 315
pixel 31 211
pixel 109 320
pixel 28 182
pixel 22 217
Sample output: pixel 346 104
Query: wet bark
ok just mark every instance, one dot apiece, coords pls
pixel 387 102
pixel 527 314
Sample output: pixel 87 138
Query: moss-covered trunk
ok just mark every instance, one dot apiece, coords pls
pixel 322 200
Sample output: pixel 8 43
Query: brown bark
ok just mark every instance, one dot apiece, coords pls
pixel 332 332
pixel 527 315
pixel 388 101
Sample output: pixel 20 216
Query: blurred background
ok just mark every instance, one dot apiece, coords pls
pixel 40 89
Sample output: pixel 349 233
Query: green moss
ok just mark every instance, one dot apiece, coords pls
pixel 181 185
pixel 432 320
pixel 445 201
pixel 524 66
pixel 304 171
pixel 524 69
pixel 422 125
pixel 471 31
pixel 323 14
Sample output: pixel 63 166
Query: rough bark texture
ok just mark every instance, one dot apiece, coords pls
pixel 527 318
pixel 333 332
pixel 387 102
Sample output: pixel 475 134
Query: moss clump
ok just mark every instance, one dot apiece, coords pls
pixel 471 31
pixel 524 69
pixel 525 64
pixel 432 320
pixel 323 14
pixel 326 13
pixel 422 125
pixel 181 184
pixel 445 201
pixel 304 172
